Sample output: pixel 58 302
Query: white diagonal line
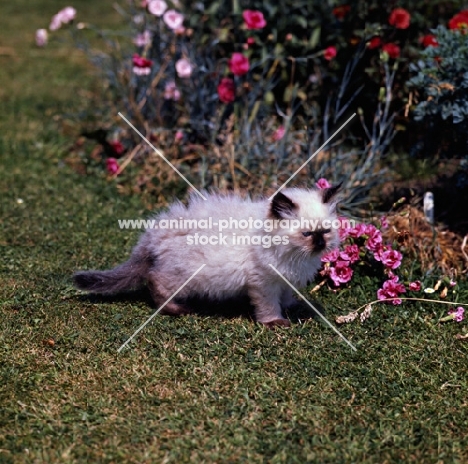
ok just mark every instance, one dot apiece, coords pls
pixel 161 307
pixel 159 152
pixel 313 307
pixel 318 151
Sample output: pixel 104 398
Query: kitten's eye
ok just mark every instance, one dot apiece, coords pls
pixel 307 233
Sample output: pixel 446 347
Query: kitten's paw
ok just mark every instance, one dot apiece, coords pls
pixel 175 310
pixel 277 323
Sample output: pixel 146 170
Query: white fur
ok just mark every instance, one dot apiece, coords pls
pixel 236 270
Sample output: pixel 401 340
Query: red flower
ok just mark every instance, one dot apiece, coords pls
pixel 226 90
pixel 329 53
pixel 459 21
pixel 117 147
pixel 141 62
pixel 254 19
pixel 375 42
pixel 238 64
pixel 341 11
pixel 429 40
pixel 392 49
pixel 399 18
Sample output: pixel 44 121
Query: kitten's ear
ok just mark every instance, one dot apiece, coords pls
pixel 329 193
pixel 281 206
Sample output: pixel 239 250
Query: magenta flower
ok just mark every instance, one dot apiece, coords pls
pixel 415 286
pixel 323 183
pixel 331 256
pixel 112 165
pixel 278 134
pixel 374 241
pixel 357 231
pixel 226 90
pixel 184 68
pixel 384 222
pixel 341 273
pixel 391 258
pixel 350 253
pixel 171 92
pixel 238 64
pixel 458 314
pixel 179 135
pixel 254 19
pixel 391 289
pixel 173 19
pixel 41 37
pixel 156 7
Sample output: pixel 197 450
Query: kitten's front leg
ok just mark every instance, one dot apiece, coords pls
pixel 287 299
pixel 267 306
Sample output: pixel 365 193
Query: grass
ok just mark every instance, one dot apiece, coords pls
pixel 194 389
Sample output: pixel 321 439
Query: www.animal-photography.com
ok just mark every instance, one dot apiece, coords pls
pixel 233 231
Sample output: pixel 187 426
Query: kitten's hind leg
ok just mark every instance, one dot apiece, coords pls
pixel 160 294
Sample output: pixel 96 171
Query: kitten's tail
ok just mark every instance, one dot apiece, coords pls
pixel 127 276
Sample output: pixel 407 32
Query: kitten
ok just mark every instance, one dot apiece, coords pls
pixel 238 258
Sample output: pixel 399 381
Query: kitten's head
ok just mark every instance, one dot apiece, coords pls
pixel 311 218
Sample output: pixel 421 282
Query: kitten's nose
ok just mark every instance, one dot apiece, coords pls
pixel 319 242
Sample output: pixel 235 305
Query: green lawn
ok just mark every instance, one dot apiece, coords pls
pixel 194 389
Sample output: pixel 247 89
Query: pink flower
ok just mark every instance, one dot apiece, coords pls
pixel 399 18
pixel 64 16
pixel 41 37
pixel 173 19
pixel 458 314
pixel 341 273
pixel 350 253
pixel 112 165
pixel 384 222
pixel 171 92
pixel 329 53
pixel 452 283
pixel 374 241
pixel 238 64
pixel 393 50
pixel 179 135
pixel 278 134
pixel 184 68
pixel 250 40
pixel 226 90
pixel 415 286
pixel 141 65
pixel 143 39
pixel 323 183
pixel 156 7
pixel 331 256
pixel 117 147
pixel 254 19
pixel 391 258
pixel 391 289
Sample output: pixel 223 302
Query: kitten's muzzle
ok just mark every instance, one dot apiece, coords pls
pixel 319 242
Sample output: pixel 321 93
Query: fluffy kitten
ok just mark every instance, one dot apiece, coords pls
pixel 164 259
